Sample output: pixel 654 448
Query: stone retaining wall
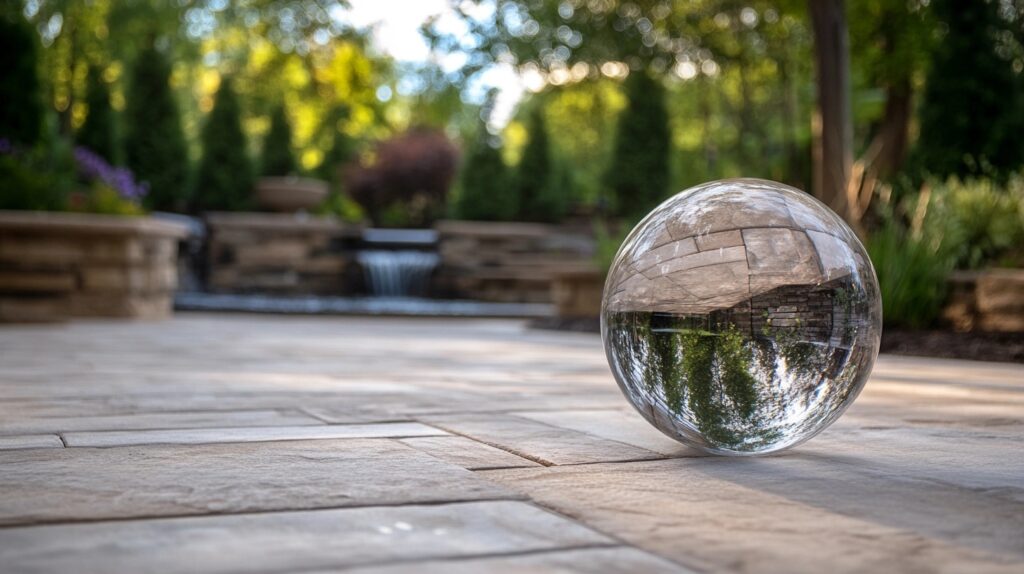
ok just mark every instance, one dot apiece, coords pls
pixel 54 266
pixel 507 262
pixel 991 300
pixel 282 254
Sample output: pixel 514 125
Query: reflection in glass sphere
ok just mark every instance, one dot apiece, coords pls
pixel 741 317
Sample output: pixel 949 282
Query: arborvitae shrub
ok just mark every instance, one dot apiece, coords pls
pixel 21 110
pixel 154 142
pixel 639 172
pixel 97 133
pixel 485 193
pixel 277 158
pixel 224 178
pixel 541 197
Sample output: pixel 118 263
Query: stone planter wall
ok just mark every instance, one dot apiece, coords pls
pixel 991 300
pixel 55 266
pixel 577 294
pixel 281 254
pixel 507 262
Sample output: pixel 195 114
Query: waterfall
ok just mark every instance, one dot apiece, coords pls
pixel 397 273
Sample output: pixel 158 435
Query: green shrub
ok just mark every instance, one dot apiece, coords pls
pixel 911 273
pixel 154 142
pixel 484 190
pixel 979 222
pixel 24 187
pixel 21 113
pixel 97 133
pixel 540 188
pixel 224 178
pixel 277 158
pixel 639 171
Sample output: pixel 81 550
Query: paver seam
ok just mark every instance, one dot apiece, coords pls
pixel 576 520
pixel 529 457
pixel 471 557
pixel 72 521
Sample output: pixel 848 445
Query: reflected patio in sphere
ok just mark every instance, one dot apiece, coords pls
pixel 741 317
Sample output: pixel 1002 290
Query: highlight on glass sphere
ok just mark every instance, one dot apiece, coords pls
pixel 741 317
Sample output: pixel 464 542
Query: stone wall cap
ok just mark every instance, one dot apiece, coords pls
pixel 89 224
pixel 279 222
pixel 496 228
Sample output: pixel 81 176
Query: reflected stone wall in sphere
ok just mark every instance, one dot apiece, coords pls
pixel 741 317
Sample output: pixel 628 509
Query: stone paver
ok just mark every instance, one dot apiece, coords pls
pixel 537 441
pixel 613 559
pixel 74 484
pixel 30 441
pixel 141 421
pixel 294 541
pixel 467 453
pixel 248 434
pixel 277 444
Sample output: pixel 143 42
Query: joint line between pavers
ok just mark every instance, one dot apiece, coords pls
pixel 517 497
pixel 523 455
pixel 619 542
pixel 508 554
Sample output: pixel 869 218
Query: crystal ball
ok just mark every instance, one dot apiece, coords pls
pixel 741 317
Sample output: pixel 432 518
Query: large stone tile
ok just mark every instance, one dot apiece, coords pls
pixel 140 421
pixel 30 441
pixel 300 541
pixel 584 560
pixel 52 485
pixel 247 434
pixel 467 453
pixel 539 442
pixel 796 513
pixel 625 426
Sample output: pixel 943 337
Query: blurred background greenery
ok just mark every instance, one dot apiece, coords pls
pixel 904 116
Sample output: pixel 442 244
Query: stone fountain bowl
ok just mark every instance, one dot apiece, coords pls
pixel 290 194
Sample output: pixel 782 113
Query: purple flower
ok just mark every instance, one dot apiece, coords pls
pixel 5 146
pixel 92 166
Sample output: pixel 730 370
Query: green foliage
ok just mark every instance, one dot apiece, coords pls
pixel 25 187
pixel 976 221
pixel 639 170
pixel 484 190
pixel 97 133
pixel 154 142
pixel 101 198
pixel 343 207
pixel 21 111
pixel 911 275
pixel 277 159
pixel 540 189
pixel 224 178
pixel 972 113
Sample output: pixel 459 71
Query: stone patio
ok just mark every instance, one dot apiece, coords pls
pixel 225 443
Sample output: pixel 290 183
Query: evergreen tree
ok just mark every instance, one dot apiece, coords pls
pixel 154 141
pixel 639 171
pixel 971 117
pixel 97 133
pixel 277 159
pixel 343 149
pixel 21 113
pixel 484 190
pixel 224 178
pixel 541 198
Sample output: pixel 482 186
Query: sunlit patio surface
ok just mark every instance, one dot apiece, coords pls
pixel 222 443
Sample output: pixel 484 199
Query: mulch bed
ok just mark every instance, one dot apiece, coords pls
pixel 1000 347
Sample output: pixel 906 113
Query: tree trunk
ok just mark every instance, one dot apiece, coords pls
pixel 832 124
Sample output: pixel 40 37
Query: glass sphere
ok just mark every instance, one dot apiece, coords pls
pixel 741 317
